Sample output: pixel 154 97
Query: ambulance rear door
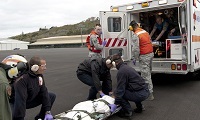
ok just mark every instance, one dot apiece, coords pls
pixel 114 31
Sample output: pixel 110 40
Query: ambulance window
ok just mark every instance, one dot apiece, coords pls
pixel 114 24
pixel 116 51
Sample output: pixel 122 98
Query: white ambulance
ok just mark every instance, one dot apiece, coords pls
pixel 181 53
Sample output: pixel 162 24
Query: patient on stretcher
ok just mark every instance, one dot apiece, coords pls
pixel 89 110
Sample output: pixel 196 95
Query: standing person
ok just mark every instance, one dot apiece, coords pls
pixel 91 72
pixel 30 91
pixel 161 29
pixel 11 68
pixel 95 43
pixel 130 87
pixel 143 49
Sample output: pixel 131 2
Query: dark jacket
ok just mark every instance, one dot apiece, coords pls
pixel 28 89
pixel 97 69
pixel 127 79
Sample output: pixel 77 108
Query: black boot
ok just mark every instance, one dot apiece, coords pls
pixel 139 109
pixel 124 113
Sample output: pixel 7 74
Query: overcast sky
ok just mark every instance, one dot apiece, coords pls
pixel 30 15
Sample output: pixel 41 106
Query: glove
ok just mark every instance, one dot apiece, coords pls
pixel 154 40
pixel 104 43
pixel 48 117
pixel 113 107
pixel 102 94
pixel 134 61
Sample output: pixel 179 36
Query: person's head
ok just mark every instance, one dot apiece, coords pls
pixel 37 65
pixel 133 25
pixel 98 29
pixel 159 19
pixel 113 60
pixel 15 66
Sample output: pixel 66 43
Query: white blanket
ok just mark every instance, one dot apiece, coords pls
pixel 82 109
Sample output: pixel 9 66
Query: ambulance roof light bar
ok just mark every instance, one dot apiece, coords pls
pixel 130 7
pixel 160 2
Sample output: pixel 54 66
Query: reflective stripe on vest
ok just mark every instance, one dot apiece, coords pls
pixel 144 41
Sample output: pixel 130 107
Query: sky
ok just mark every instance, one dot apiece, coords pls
pixel 17 16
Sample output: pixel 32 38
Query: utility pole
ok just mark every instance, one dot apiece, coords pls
pixel 81 38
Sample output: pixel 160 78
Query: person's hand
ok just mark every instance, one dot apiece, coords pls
pixel 48 117
pixel 104 43
pixel 102 94
pixel 113 107
pixel 172 31
pixel 154 40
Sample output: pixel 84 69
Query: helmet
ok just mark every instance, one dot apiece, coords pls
pixel 16 66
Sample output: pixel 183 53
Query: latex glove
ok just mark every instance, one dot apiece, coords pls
pixel 113 107
pixel 154 40
pixel 104 43
pixel 134 61
pixel 48 117
pixel 102 94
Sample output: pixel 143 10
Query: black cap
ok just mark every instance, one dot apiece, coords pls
pixel 133 23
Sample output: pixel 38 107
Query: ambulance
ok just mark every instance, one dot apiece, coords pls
pixel 181 52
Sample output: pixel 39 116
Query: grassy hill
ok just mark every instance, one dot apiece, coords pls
pixel 65 30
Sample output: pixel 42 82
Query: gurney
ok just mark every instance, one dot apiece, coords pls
pixel 90 110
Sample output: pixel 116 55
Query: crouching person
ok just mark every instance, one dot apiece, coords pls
pixel 130 87
pixel 30 91
pixel 91 72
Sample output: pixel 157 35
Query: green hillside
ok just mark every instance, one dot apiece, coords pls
pixel 65 30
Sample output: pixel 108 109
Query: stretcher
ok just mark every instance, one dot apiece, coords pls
pixel 90 110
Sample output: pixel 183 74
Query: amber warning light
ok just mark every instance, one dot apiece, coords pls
pixel 145 4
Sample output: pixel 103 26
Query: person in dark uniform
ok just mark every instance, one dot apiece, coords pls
pixel 30 91
pixel 91 72
pixel 130 87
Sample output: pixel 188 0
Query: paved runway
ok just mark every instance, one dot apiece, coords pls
pixel 176 97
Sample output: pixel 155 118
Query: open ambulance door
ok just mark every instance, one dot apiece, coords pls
pixel 184 27
pixel 114 31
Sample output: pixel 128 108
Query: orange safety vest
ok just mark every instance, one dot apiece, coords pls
pixel 92 48
pixel 144 41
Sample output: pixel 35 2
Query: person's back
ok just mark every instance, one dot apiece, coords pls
pixel 135 81
pixel 145 44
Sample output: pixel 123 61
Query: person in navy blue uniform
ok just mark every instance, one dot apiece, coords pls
pixel 130 87
pixel 30 91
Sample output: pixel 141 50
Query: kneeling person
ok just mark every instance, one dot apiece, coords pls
pixel 130 87
pixel 30 91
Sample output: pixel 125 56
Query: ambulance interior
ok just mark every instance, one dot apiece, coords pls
pixel 163 49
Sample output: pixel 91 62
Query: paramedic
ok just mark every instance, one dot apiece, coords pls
pixel 95 43
pixel 11 68
pixel 160 29
pixel 30 91
pixel 91 72
pixel 130 87
pixel 143 50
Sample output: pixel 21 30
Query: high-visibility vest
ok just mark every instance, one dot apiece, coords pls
pixel 90 47
pixel 144 41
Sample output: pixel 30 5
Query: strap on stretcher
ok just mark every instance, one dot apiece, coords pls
pixel 92 115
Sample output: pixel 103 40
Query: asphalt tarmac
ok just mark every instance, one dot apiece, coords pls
pixel 177 97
